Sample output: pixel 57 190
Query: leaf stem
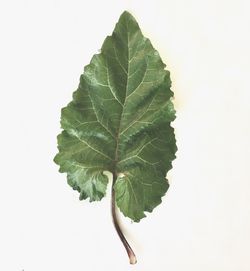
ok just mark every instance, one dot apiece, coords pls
pixel 130 252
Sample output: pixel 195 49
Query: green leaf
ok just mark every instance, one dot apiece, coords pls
pixel 119 121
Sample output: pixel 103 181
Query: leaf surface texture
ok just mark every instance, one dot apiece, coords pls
pixel 119 121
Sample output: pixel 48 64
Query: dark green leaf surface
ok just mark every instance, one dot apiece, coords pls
pixel 119 121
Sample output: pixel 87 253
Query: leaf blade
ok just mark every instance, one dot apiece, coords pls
pixel 119 120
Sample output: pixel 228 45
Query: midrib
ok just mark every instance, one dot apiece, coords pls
pixel 124 104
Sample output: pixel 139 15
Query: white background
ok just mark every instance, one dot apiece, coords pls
pixel 204 220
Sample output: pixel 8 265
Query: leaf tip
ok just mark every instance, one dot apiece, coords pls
pixel 126 13
pixel 126 16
